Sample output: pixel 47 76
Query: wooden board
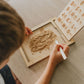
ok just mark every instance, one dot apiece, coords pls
pixel 34 57
pixel 71 19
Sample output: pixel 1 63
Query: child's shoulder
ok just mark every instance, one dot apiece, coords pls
pixel 7 75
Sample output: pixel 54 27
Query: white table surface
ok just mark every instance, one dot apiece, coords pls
pixel 33 13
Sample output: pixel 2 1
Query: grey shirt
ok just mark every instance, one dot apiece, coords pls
pixel 1 80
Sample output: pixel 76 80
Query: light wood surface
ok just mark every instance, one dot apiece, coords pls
pixel 70 71
pixel 32 58
pixel 71 19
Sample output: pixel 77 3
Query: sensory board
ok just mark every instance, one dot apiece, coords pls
pixel 65 27
pixel 33 57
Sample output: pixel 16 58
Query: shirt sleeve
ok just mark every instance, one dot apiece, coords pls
pixel 7 75
pixel 1 80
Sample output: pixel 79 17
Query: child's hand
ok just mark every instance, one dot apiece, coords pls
pixel 56 56
pixel 28 31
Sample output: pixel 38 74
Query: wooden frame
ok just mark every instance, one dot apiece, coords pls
pixel 24 52
pixel 71 19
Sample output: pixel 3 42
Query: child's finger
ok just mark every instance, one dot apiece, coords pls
pixel 27 33
pixel 56 47
pixel 61 46
pixel 66 49
pixel 64 46
pixel 29 30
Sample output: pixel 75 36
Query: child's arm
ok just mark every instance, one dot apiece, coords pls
pixel 15 78
pixel 54 59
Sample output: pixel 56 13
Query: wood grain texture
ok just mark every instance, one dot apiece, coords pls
pixel 31 58
pixel 70 71
pixel 71 19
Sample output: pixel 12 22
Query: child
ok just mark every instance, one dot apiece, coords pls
pixel 12 35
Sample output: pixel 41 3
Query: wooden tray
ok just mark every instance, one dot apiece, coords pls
pixel 32 58
pixel 71 19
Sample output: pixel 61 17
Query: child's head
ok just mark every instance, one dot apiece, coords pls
pixel 12 31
